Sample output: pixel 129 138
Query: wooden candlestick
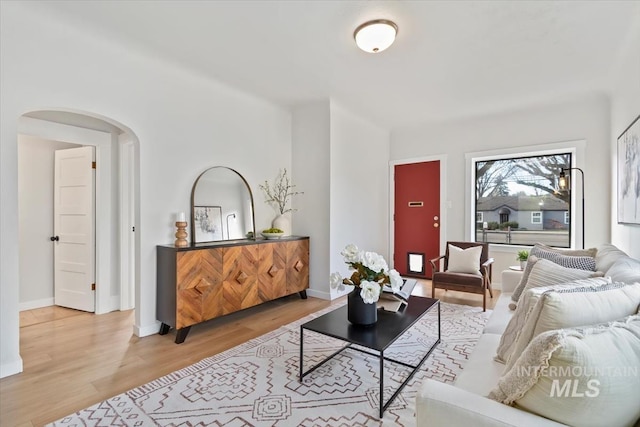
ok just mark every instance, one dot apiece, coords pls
pixel 181 234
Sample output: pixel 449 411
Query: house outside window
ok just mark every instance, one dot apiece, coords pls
pixel 536 217
pixel 518 198
pixel 479 217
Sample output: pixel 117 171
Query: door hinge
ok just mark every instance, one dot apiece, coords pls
pixel 93 286
pixel 133 229
pixel 93 165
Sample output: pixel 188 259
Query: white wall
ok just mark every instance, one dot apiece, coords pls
pixel 586 119
pixel 625 107
pixel 340 161
pixel 359 186
pixel 185 123
pixel 311 174
pixel 35 187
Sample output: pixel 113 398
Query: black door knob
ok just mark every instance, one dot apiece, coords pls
pixel 54 238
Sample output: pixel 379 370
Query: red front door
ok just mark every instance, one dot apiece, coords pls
pixel 417 217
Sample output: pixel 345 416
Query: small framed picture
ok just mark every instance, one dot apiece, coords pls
pixel 207 221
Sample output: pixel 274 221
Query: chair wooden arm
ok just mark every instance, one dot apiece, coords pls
pixel 435 264
pixel 487 263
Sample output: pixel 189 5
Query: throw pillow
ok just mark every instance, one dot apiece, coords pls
pixel 464 260
pixel 584 376
pixel 591 252
pixel 571 307
pixel 559 260
pixel 625 269
pixel 546 272
pixel 527 301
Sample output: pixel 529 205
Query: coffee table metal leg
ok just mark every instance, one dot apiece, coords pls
pixel 301 353
pixel 381 383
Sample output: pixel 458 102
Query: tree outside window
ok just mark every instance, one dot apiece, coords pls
pixel 519 200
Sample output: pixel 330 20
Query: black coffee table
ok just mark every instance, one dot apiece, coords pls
pixel 378 337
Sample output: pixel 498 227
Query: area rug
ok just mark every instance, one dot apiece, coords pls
pixel 256 383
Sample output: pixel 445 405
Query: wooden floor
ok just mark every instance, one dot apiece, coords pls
pixel 74 359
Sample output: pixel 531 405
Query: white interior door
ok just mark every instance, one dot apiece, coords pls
pixel 74 228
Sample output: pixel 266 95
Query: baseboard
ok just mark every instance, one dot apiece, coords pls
pixel 12 368
pixel 318 294
pixel 39 303
pixel 145 331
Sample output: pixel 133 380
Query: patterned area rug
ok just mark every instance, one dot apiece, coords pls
pixel 256 383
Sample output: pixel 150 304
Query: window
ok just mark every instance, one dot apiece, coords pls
pixel 536 217
pixel 519 200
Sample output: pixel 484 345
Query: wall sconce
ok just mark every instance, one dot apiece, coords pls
pixel 375 36
pixel 564 183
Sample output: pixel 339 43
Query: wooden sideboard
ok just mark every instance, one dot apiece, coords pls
pixel 204 281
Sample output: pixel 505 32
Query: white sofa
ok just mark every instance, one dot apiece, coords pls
pixel 464 403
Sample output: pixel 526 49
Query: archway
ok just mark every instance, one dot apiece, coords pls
pixel 117 196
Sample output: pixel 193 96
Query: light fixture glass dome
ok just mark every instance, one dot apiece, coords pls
pixel 375 36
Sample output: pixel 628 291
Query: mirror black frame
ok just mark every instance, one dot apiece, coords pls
pixel 193 192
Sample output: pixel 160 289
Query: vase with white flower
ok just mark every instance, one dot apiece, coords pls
pixel 369 273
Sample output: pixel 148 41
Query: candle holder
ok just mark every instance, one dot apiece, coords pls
pixel 181 234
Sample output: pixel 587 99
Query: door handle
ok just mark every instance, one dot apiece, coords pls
pixel 436 225
pixel 54 238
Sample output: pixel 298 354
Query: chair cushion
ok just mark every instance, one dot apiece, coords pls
pixel 461 279
pixel 584 376
pixel 464 260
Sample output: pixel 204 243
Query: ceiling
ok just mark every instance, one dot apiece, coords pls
pixel 451 60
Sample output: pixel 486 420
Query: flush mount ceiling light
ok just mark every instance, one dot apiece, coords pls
pixel 375 36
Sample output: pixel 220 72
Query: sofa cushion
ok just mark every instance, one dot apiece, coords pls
pixel 526 304
pixel 625 269
pixel 481 372
pixel 576 306
pixel 584 376
pixel 607 255
pixel 464 260
pixel 500 317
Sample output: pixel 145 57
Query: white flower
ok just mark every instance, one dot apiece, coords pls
pixel 370 291
pixel 396 280
pixel 351 253
pixel 336 281
pixel 374 262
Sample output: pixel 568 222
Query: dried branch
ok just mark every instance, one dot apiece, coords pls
pixel 281 191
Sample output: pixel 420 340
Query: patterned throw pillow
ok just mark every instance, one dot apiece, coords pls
pixel 569 261
pixel 560 257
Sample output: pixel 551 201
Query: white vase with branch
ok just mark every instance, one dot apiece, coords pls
pixel 278 194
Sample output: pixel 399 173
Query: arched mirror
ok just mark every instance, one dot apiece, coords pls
pixel 221 206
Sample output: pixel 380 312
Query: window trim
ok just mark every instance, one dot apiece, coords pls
pixel 537 214
pixel 577 148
